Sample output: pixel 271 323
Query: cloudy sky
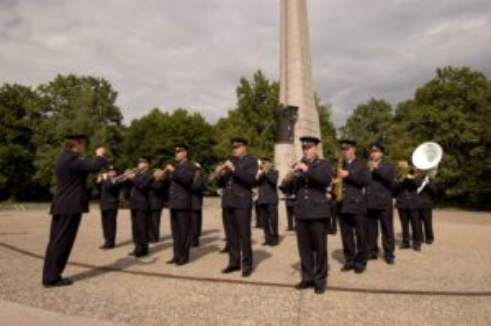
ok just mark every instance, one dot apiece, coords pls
pixel 191 53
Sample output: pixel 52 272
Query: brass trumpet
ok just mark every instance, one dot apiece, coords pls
pixel 406 171
pixel 162 172
pixel 123 177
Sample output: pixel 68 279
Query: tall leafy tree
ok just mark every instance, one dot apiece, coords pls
pixel 368 123
pixel 454 109
pixel 156 134
pixel 73 104
pixel 16 147
pixel 253 118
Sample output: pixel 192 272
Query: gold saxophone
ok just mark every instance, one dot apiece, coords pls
pixel 337 183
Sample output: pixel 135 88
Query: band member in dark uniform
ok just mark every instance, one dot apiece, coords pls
pixel 353 209
pixel 156 195
pixel 426 194
pixel 70 201
pixel 180 176
pixel 109 205
pixel 290 201
pixel 380 206
pixel 267 201
pixel 197 193
pixel 140 181
pixel 237 177
pixel 310 179
pixel 405 192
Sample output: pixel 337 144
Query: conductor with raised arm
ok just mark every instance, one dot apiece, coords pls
pixel 70 201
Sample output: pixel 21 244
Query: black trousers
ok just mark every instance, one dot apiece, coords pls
pixel 354 237
pixel 384 219
pixel 411 217
pixel 180 221
pixel 290 216
pixel 269 216
pixel 426 216
pixel 196 225
pixel 64 229
pixel 258 216
pixel 238 224
pixel 312 247
pixel 154 225
pixel 139 228
pixel 109 219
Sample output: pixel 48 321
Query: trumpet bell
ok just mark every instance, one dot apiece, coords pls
pixel 427 156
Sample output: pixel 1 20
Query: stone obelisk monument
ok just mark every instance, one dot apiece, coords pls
pixel 297 114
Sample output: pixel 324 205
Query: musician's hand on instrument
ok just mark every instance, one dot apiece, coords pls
pixel 343 173
pixel 229 165
pixel 301 167
pixel 170 168
pixel 100 152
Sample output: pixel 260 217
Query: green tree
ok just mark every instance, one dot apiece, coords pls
pixel 253 118
pixel 328 130
pixel 73 104
pixel 368 123
pixel 454 110
pixel 16 148
pixel 156 134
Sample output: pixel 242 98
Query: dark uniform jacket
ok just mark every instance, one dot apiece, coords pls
pixel 197 191
pixel 427 195
pixel 237 185
pixel 71 196
pixel 311 191
pixel 181 180
pixel 267 184
pixel 140 187
pixel 109 195
pixel 158 194
pixel 405 194
pixel 379 191
pixel 289 194
pixel 354 199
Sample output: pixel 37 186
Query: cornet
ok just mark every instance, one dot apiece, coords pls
pixel 123 177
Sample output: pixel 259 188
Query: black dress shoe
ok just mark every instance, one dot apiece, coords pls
pixel 405 246
pixel 230 269
pixel 246 273
pixel 172 261
pixel 417 247
pixel 429 241
pixel 141 254
pixel 389 260
pixel 274 243
pixel 59 283
pixel 320 289
pixel 347 268
pixel 265 243
pixel 304 285
pixel 224 250
pixel 373 257
pixel 182 262
pixel 360 269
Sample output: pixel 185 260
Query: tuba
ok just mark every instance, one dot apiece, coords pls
pixel 426 158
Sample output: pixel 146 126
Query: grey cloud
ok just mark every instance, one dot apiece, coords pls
pixel 192 53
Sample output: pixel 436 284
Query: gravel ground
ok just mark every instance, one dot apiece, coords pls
pixel 140 292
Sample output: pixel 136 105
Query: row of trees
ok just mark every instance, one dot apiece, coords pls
pixel 452 109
